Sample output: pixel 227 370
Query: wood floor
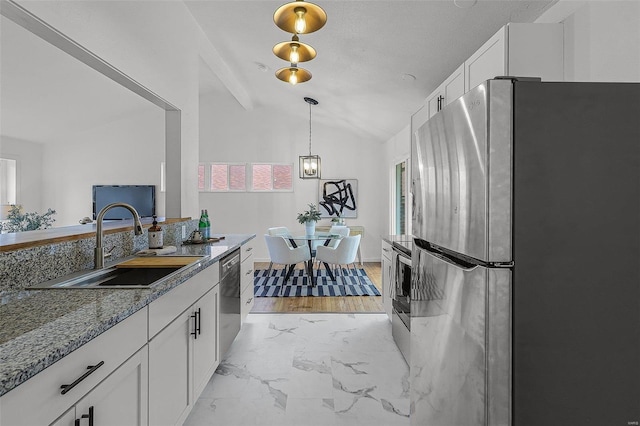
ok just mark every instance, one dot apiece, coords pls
pixel 324 304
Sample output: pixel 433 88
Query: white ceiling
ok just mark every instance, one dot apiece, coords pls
pixel 363 52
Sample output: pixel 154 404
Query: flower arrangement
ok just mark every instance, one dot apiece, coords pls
pixel 19 221
pixel 311 215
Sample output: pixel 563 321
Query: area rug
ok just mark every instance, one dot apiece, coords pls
pixel 300 285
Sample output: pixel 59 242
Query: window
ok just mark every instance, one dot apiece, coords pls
pixel 399 200
pixel 243 177
pixel 8 181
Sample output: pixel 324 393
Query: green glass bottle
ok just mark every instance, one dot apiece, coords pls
pixel 202 225
pixel 208 225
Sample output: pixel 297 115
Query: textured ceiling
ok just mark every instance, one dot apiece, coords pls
pixel 363 52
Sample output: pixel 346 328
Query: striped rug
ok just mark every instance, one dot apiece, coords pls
pixel 299 284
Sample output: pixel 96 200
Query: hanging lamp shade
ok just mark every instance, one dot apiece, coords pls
pixel 300 17
pixel 310 166
pixel 293 75
pixel 294 51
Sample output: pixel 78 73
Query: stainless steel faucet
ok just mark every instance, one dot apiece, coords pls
pixel 137 229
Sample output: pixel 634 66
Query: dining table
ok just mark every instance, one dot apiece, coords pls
pixel 312 241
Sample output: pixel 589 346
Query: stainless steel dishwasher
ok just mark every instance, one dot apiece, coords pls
pixel 229 300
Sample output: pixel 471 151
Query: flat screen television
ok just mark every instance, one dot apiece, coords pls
pixel 141 197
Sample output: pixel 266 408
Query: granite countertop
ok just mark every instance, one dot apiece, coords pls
pixel 39 327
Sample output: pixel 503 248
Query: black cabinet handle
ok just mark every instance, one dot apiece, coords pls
pixel 91 368
pixel 87 416
pixel 194 333
pixel 199 320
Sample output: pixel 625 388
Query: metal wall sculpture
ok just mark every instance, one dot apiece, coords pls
pixel 338 198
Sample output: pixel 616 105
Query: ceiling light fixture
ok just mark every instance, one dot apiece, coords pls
pixel 300 17
pixel 293 74
pixel 294 51
pixel 310 166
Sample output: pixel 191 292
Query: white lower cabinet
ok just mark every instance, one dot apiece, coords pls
pixel 387 278
pixel 121 399
pixel 170 367
pixel 206 351
pixel 41 401
pixel 246 280
pixel 185 353
pixel 176 349
pixel 68 418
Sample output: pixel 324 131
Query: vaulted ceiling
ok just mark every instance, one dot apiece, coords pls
pixel 376 63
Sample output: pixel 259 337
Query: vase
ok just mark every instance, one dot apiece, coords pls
pixel 310 228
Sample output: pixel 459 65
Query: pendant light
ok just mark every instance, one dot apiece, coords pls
pixel 294 51
pixel 310 166
pixel 300 17
pixel 293 74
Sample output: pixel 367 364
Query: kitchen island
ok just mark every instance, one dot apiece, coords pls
pixel 42 327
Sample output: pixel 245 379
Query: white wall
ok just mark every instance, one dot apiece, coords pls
pixel 602 42
pixel 127 151
pixel 228 133
pixel 29 171
pixel 162 55
pixel 397 149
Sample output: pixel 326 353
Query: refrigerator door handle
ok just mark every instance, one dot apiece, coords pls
pixel 459 263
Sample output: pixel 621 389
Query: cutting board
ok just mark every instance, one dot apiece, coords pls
pixel 159 262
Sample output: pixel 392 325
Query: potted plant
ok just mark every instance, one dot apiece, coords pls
pixel 309 218
pixel 19 221
pixel 337 220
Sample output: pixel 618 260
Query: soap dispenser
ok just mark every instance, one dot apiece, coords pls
pixel 155 235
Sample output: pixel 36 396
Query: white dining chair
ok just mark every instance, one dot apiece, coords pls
pixel 343 254
pixel 283 254
pixel 341 230
pixel 278 231
pixel 338 230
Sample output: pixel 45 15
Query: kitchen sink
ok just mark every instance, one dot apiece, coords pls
pixel 111 278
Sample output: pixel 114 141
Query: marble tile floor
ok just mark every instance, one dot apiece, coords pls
pixel 308 369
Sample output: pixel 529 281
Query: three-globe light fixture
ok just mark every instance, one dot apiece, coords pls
pixel 297 17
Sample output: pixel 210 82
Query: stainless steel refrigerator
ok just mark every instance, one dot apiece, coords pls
pixel 525 288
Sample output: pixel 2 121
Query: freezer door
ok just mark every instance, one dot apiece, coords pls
pixel 461 175
pixel 460 340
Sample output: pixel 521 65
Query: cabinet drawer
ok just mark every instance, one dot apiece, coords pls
pixel 167 308
pixel 39 401
pixel 386 250
pixel 246 300
pixel 247 249
pixel 246 274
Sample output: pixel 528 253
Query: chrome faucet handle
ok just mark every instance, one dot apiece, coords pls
pixel 108 253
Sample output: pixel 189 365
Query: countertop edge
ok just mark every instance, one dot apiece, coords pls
pixel 9 380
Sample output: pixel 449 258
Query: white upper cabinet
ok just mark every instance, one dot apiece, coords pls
pixel 518 50
pixel 450 90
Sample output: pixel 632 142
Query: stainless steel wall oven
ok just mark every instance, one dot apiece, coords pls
pixel 401 302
